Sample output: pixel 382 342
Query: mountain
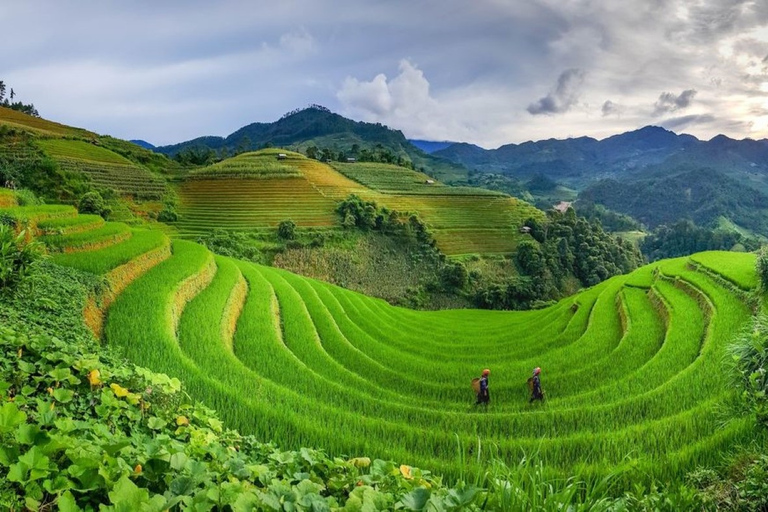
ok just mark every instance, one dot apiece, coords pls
pixel 318 126
pixel 430 146
pixel 144 144
pixel 704 195
pixel 578 162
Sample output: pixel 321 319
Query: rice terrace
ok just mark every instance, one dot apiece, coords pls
pixel 504 256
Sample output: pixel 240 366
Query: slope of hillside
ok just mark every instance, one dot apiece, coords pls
pixel 703 195
pixel 102 162
pixel 256 190
pixel 632 368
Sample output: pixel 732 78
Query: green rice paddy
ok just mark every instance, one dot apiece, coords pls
pixel 633 368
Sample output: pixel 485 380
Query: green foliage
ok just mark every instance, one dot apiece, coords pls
pixel 93 203
pixel 609 220
pixel 684 237
pixel 286 230
pixel 564 245
pixel 702 195
pixel 17 253
pixel 761 267
pixel 750 356
pixel 168 213
pixel 7 102
pixel 26 197
pixel 233 244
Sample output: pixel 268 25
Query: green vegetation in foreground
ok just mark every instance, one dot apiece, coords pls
pixel 301 362
pixel 59 391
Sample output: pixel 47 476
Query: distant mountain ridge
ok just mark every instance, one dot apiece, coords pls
pixel 580 161
pixel 430 146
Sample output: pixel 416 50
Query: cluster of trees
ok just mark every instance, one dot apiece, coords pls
pixel 356 212
pixel 684 237
pixel 27 108
pixel 609 219
pixel 378 154
pixel 564 246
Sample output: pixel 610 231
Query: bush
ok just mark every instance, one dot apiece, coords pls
pixel 168 213
pixel 761 266
pixel 16 255
pixel 92 202
pixel 750 357
pixel 26 197
pixel 286 230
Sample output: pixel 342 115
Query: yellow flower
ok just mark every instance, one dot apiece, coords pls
pixel 118 390
pixel 50 391
pixel 182 421
pixel 406 471
pixel 137 469
pixel 94 377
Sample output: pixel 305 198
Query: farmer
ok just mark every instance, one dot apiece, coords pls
pixel 535 384
pixel 483 395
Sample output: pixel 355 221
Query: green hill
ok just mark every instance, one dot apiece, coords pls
pixel 632 367
pixel 318 126
pixel 28 144
pixel 258 190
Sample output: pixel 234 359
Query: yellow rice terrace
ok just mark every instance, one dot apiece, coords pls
pixel 632 369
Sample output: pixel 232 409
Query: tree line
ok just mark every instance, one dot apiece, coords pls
pixel 7 101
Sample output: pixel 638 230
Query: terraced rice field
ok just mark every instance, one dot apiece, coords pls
pixel 632 368
pixel 464 221
pixel 105 168
pixel 393 179
pixel 36 124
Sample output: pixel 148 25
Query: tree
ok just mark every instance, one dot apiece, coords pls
pixel 286 230
pixel 92 202
pixel 311 152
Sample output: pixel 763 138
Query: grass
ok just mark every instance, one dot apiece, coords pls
pixel 393 179
pixel 103 167
pixel 107 234
pixel 7 198
pixel 39 125
pixel 101 261
pixel 70 224
pixel 632 367
pixel 738 268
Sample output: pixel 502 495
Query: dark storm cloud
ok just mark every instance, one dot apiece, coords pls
pixel 562 97
pixel 669 102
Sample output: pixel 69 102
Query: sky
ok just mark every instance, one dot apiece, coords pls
pixel 488 72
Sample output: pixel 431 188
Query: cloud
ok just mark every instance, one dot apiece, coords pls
pixel 689 120
pixel 669 102
pixel 299 42
pixel 404 102
pixel 563 97
pixel 609 108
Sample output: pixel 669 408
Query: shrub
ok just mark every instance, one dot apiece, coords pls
pixel 168 213
pixel 761 266
pixel 750 356
pixel 16 255
pixel 92 202
pixel 26 197
pixel 286 230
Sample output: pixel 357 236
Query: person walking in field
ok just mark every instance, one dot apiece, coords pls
pixel 483 395
pixel 535 385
